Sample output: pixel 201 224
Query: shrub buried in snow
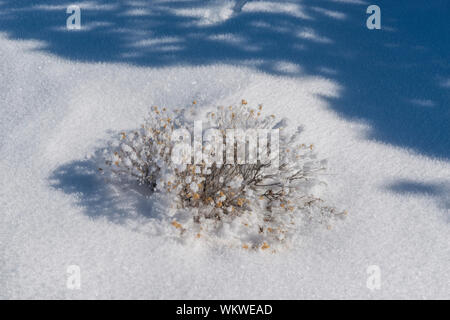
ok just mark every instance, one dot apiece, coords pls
pixel 245 179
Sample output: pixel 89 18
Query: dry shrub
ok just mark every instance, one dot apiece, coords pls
pixel 253 204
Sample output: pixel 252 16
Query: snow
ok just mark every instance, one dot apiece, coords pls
pixel 382 126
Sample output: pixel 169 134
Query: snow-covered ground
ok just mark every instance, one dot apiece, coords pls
pixel 375 103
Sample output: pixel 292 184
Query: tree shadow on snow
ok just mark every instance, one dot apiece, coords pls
pixel 396 79
pixel 438 191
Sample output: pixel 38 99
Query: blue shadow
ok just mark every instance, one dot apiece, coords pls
pixel 439 191
pixel 396 79
pixel 118 200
